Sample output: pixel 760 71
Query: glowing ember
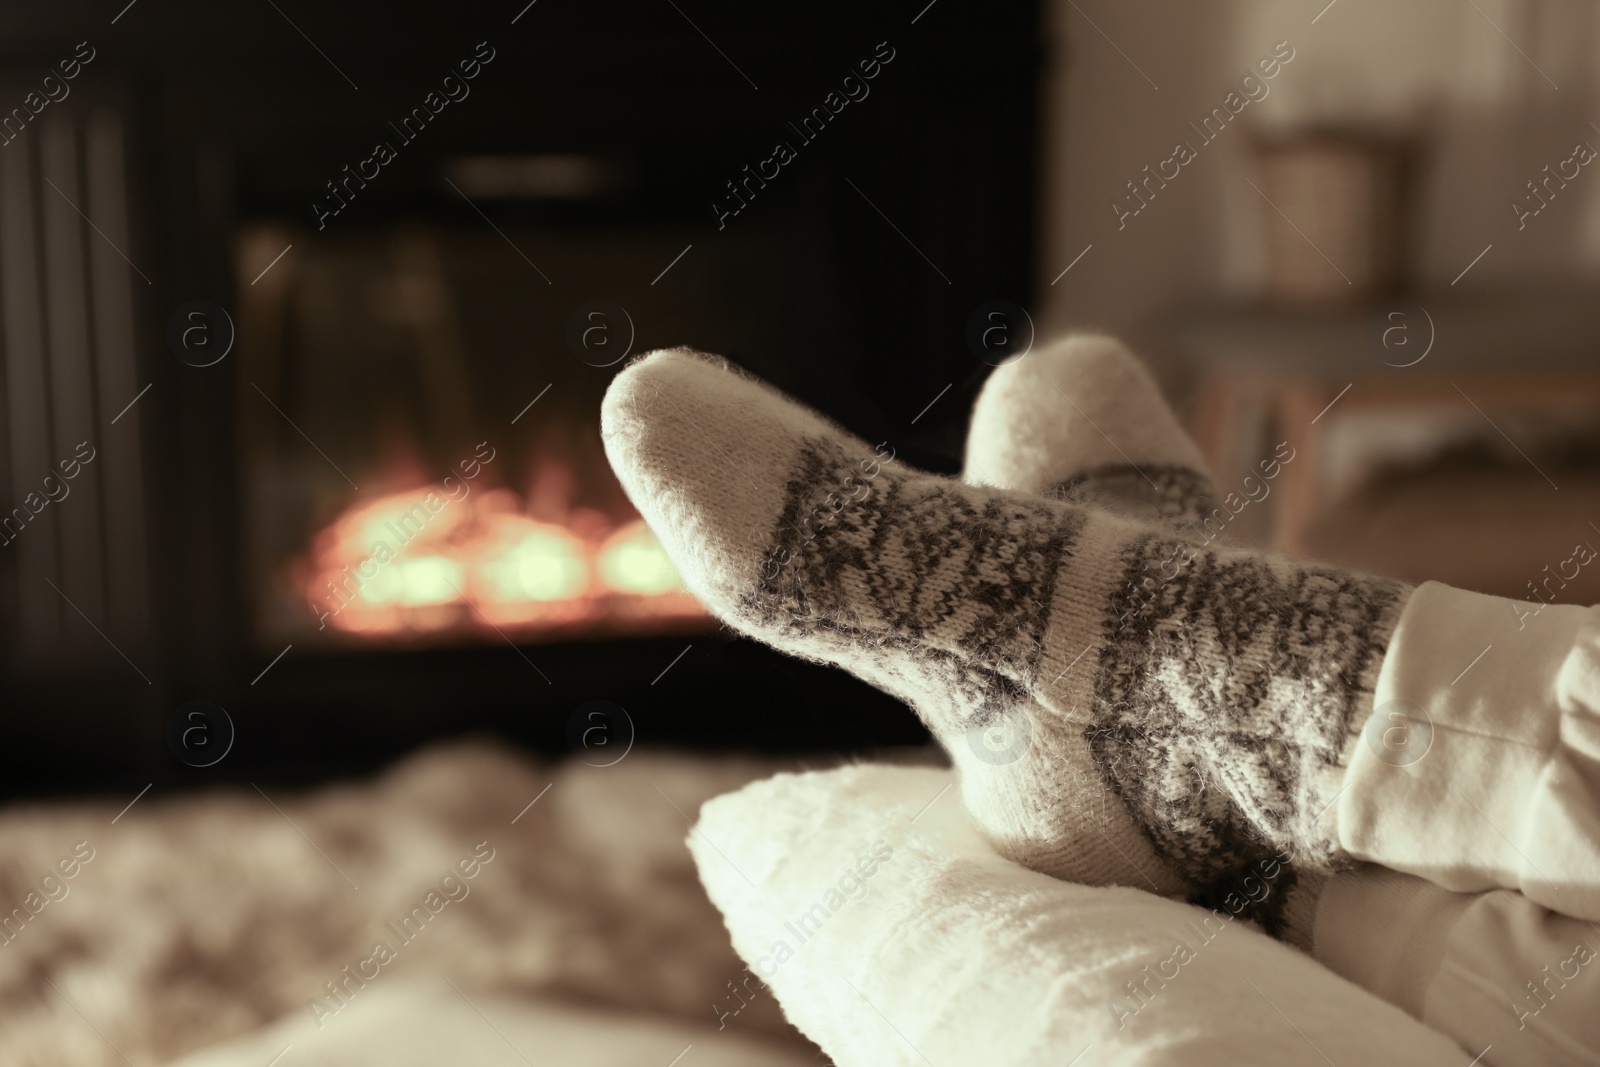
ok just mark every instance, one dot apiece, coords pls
pixel 420 561
pixel 633 561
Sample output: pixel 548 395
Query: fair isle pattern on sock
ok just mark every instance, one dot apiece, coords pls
pixel 1154 492
pixel 1195 675
pixel 922 586
pixel 1278 896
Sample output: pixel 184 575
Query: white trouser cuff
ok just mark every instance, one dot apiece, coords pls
pixel 1480 765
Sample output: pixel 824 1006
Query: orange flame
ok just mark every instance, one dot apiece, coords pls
pixel 420 562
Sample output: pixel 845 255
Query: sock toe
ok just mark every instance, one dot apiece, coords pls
pixel 704 452
pixel 798 534
pixel 1085 400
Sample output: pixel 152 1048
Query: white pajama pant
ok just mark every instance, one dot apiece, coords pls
pixel 1479 776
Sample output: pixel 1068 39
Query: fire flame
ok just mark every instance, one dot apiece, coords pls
pixel 418 562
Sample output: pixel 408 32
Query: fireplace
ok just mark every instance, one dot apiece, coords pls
pixel 349 485
pixel 453 513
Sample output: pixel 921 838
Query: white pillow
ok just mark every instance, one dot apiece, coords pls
pixel 891 933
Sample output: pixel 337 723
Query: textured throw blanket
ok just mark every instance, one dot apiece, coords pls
pixel 197 918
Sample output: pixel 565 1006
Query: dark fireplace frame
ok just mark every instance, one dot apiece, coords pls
pixel 921 199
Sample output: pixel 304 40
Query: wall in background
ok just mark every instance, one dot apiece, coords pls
pixel 1507 87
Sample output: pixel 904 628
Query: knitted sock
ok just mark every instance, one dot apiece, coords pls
pixel 1037 428
pixel 1082 420
pixel 1045 425
pixel 1221 691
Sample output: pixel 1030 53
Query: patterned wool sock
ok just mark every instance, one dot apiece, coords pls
pixel 1038 428
pixel 1082 420
pixel 1221 691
